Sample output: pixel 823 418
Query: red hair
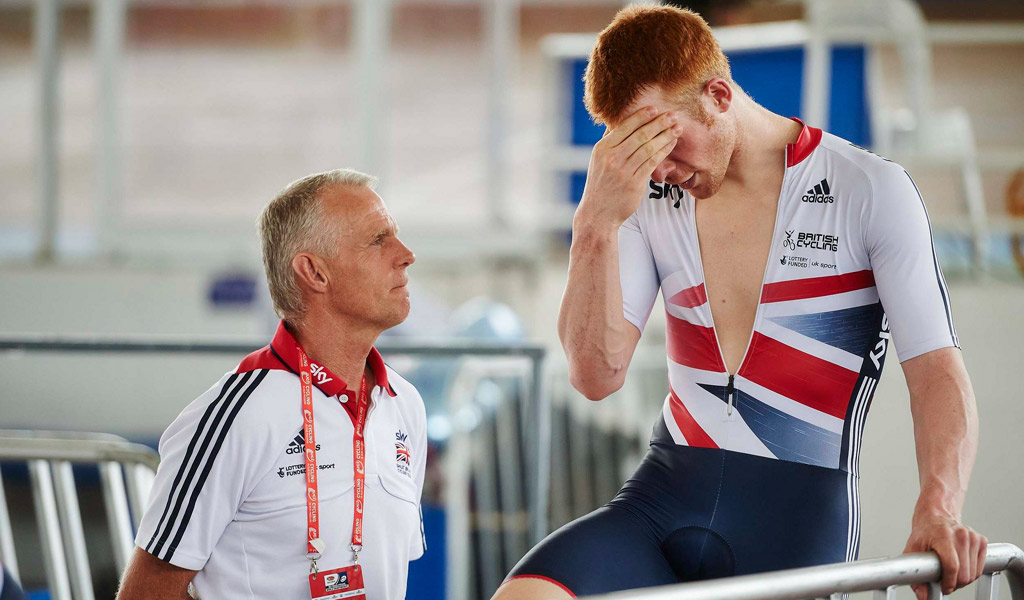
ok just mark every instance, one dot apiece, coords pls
pixel 647 46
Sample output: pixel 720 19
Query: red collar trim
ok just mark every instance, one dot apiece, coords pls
pixel 805 143
pixel 282 353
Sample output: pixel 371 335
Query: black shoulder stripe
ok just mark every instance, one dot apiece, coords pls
pixel 188 455
pixel 193 465
pixel 935 260
pixel 187 516
pixel 279 359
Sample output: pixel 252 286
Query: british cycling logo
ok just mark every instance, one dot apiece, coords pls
pixel 814 241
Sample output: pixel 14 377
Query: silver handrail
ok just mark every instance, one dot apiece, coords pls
pixel 17 447
pixel 879 575
pixel 49 456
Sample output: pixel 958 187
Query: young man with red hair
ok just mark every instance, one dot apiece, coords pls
pixel 784 255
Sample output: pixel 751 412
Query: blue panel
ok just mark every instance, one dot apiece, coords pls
pixel 773 78
pixel 848 109
pixel 584 131
pixel 852 329
pixel 577 181
pixel 788 437
pixel 427 575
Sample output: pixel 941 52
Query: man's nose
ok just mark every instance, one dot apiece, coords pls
pixel 405 255
pixel 663 170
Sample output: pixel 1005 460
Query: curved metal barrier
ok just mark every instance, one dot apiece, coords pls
pixel 880 575
pixel 126 473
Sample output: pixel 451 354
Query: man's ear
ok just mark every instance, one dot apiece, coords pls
pixel 310 272
pixel 719 91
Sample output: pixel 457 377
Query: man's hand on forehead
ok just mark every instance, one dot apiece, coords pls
pixel 622 162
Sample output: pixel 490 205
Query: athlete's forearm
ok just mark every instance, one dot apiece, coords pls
pixel 591 325
pixel 945 431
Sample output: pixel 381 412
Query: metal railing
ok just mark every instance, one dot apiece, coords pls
pixel 881 576
pixel 536 409
pixel 126 474
pixel 491 449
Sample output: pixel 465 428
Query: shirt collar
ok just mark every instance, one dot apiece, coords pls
pixel 285 348
pixel 805 143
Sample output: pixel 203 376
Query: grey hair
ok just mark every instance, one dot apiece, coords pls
pixel 296 221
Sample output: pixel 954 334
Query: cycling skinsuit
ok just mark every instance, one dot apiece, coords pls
pixel 758 471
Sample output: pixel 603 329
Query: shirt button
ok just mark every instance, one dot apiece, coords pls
pixel 343 398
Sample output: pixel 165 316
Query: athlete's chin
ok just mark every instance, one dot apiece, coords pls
pixel 702 192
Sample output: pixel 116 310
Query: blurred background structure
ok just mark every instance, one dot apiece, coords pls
pixel 140 138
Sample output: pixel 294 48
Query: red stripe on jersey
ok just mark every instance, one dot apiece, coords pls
pixel 814 287
pixel 690 297
pixel 692 345
pixel 692 431
pixel 799 376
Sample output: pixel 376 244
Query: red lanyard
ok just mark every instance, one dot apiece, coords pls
pixel 314 544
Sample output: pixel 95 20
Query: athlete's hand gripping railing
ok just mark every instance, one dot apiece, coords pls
pixel 879 575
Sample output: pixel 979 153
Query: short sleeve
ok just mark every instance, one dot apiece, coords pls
pixel 638 274
pixel 208 463
pixel 910 286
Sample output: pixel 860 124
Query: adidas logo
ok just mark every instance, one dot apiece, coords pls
pixel 819 194
pixel 298 445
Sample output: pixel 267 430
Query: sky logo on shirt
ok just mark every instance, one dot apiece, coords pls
pixel 321 375
pixel 403 458
pixel 666 190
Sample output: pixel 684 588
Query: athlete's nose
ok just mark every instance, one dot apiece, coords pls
pixel 662 171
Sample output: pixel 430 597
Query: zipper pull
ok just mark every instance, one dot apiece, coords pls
pixel 730 391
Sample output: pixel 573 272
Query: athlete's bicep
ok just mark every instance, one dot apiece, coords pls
pixel 638 276
pixel 208 459
pixel 906 270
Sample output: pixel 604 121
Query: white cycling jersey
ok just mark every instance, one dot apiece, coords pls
pixel 851 260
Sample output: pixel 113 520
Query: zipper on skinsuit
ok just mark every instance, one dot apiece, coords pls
pixel 730 392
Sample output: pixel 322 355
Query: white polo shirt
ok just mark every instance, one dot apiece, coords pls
pixel 229 497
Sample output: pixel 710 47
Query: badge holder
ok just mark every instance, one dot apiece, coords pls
pixel 345 582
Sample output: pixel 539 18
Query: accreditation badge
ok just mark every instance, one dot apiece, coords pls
pixel 346 582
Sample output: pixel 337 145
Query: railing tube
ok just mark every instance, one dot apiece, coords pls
pixel 819 582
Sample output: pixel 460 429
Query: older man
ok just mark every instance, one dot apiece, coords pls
pixel 299 474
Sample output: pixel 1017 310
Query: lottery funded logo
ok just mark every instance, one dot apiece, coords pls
pixel 306 378
pixel 314 533
pixel 799 262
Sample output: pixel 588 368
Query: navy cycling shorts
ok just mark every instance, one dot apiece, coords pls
pixel 689 514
